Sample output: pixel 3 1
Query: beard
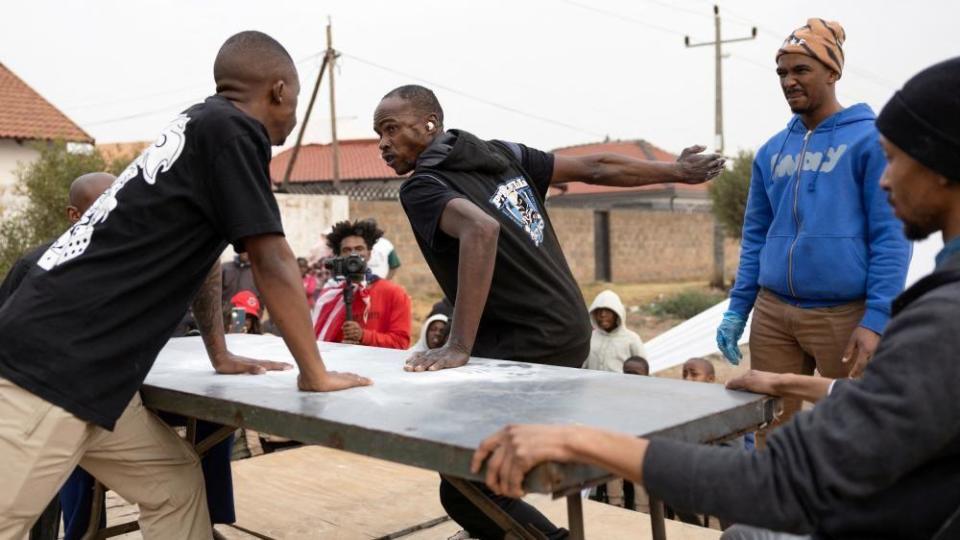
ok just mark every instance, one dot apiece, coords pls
pixel 916 232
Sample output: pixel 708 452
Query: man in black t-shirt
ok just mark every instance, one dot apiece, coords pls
pixel 477 211
pixel 80 333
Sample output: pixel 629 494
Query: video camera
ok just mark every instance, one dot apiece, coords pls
pixel 352 268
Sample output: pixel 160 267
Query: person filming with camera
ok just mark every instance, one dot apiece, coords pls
pixel 358 307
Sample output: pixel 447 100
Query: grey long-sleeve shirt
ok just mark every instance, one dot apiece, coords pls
pixel 879 458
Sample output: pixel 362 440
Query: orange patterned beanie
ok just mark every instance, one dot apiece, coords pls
pixel 819 39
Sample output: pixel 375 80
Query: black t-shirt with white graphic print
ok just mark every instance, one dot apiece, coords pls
pixel 534 311
pixel 86 324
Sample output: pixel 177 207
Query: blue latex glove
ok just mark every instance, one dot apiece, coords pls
pixel 728 334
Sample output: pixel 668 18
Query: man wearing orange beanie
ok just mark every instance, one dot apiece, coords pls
pixel 822 254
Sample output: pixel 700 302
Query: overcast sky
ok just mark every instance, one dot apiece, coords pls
pixel 547 73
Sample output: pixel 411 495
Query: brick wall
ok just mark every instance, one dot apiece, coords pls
pixel 574 228
pixel 645 245
pixel 414 274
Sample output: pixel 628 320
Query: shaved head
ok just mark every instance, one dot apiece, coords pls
pixel 255 73
pixel 422 99
pixel 251 59
pixel 85 189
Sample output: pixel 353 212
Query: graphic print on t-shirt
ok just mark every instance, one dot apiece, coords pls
pixel 157 158
pixel 516 200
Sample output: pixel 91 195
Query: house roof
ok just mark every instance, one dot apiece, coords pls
pixel 25 114
pixel 638 148
pixel 359 160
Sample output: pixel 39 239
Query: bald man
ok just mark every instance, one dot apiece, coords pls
pixel 83 191
pixel 146 246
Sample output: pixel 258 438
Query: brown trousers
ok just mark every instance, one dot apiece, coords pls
pixel 788 339
pixel 142 459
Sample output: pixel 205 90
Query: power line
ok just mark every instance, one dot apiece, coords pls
pixel 157 94
pixel 473 97
pixel 867 75
pixel 622 17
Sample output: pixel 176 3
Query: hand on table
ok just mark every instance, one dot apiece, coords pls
pixel 863 342
pixel 445 357
pixel 232 364
pixel 511 452
pixel 330 381
pixel 758 382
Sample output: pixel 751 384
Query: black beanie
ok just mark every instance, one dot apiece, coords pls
pixel 923 119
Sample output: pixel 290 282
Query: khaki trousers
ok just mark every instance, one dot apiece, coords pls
pixel 142 459
pixel 788 339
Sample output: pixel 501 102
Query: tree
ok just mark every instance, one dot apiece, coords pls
pixel 46 183
pixel 729 193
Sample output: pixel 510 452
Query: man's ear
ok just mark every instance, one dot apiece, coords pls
pixel 277 92
pixel 73 214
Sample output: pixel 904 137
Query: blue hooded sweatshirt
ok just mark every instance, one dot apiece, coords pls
pixel 822 234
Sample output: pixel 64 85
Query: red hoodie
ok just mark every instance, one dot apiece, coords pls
pixel 387 320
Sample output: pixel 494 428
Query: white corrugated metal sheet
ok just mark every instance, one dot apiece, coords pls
pixel 697 336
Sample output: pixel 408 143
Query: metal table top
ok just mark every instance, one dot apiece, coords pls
pixel 435 420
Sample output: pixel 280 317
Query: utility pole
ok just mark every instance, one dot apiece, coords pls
pixel 284 186
pixel 331 60
pixel 718 234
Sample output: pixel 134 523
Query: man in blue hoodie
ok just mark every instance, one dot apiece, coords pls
pixel 822 254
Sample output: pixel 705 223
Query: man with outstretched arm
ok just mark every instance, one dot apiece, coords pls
pixel 113 287
pixel 878 457
pixel 478 214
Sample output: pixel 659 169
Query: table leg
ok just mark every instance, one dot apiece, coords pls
pixel 575 516
pixel 657 526
pixel 96 510
pixel 504 520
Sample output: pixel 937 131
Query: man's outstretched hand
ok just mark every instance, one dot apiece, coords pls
pixel 696 168
pixel 436 359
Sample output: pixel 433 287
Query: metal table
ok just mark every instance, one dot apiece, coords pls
pixel 435 420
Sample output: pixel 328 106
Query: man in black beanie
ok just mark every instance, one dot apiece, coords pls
pixel 877 457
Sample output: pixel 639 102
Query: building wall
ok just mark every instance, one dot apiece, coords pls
pixel 305 217
pixel 574 228
pixel 11 154
pixel 414 274
pixel 644 245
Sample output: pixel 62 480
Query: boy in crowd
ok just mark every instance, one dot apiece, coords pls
pixel 434 332
pixel 636 365
pixel 699 370
pixel 611 342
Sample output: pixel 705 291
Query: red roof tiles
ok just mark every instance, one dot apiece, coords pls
pixel 25 114
pixel 359 160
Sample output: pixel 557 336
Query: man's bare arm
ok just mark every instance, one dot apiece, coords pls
pixel 277 275
pixel 208 312
pixel 691 167
pixel 511 452
pixel 787 385
pixel 478 234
